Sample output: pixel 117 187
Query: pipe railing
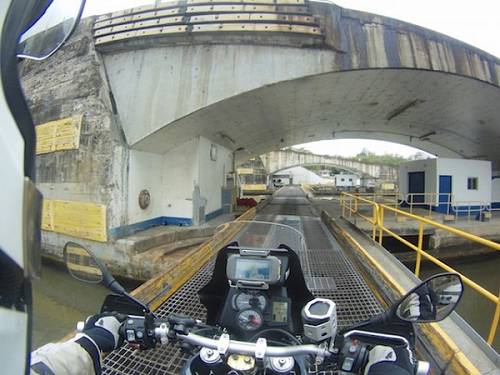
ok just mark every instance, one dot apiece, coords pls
pixel 350 203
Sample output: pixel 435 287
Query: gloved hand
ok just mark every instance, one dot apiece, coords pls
pixel 103 330
pixel 412 307
pixel 384 360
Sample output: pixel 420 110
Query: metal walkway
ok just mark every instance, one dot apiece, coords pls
pixel 328 274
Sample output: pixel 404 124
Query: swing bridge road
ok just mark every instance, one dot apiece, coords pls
pixel 339 263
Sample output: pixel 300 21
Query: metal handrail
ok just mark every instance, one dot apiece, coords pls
pixel 378 224
pixel 432 201
pixel 355 210
pixel 469 207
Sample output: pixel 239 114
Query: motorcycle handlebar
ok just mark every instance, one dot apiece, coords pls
pixel 258 349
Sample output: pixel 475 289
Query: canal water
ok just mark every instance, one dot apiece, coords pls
pixel 61 301
pixel 474 308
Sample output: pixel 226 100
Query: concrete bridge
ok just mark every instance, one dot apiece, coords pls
pixel 166 99
pixel 276 161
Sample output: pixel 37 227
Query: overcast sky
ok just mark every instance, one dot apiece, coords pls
pixel 474 22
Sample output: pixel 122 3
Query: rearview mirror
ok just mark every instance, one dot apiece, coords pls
pixel 55 24
pixel 433 300
pixel 82 264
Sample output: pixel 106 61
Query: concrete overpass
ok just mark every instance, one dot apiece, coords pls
pixel 274 74
pixel 171 96
pixel 275 161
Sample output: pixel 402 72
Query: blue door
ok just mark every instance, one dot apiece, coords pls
pixel 444 193
pixel 416 185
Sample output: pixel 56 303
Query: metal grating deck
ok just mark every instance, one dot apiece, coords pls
pixel 328 273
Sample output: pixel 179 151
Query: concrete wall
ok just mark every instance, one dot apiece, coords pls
pixel 145 172
pixel 427 166
pixel 179 182
pixel 459 169
pixel 302 175
pixel 73 82
pixel 154 87
pixel 495 192
pixel 180 177
pixel 212 173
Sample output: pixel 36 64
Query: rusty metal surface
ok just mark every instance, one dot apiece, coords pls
pixel 284 16
pixel 328 272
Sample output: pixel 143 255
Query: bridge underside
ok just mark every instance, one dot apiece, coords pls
pixel 441 113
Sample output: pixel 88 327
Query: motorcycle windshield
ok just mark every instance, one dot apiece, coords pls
pixel 259 235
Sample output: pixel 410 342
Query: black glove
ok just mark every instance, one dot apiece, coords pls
pixel 101 330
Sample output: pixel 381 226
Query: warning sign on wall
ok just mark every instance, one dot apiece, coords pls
pixel 58 135
pixel 78 219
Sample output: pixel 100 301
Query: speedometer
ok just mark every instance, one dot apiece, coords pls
pixel 249 320
pixel 244 301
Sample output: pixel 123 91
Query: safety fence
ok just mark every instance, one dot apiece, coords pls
pixel 350 205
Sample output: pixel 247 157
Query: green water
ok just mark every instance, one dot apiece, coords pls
pixel 59 302
pixel 474 308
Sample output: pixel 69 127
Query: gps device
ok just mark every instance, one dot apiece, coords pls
pixel 253 272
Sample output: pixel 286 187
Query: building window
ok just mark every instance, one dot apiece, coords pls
pixel 350 180
pixel 342 179
pixel 472 183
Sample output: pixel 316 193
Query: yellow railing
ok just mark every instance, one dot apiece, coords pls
pixel 350 204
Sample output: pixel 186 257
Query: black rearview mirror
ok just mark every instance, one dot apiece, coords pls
pixel 52 29
pixel 82 264
pixel 433 300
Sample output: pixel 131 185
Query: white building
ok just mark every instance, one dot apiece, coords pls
pixel 300 175
pixel 495 192
pixel 347 180
pixel 462 182
pixel 281 179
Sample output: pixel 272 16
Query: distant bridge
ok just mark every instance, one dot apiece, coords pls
pixel 278 160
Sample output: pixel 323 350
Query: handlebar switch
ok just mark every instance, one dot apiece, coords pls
pixel 353 356
pixel 139 331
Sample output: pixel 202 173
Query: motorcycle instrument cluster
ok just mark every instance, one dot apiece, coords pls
pixel 244 300
pixel 249 320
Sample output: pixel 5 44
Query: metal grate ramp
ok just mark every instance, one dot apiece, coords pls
pixel 328 273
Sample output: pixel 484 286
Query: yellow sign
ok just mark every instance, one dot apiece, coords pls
pixel 253 187
pixel 77 219
pixel 58 135
pixel 245 170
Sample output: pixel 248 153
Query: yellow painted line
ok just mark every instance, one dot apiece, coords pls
pixel 77 219
pixel 441 341
pixel 59 135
